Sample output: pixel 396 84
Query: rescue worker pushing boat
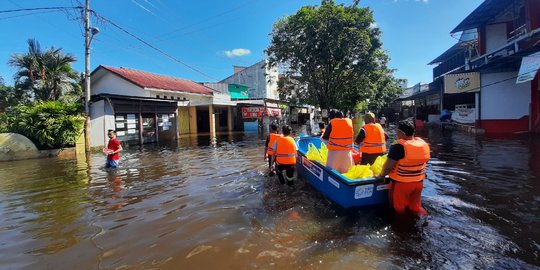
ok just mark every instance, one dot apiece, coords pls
pixel 284 157
pixel 406 166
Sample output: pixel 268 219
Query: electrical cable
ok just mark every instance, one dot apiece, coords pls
pixel 152 46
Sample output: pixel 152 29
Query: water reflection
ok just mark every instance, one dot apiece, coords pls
pixel 205 202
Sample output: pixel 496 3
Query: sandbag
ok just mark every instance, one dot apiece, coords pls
pixel 378 165
pixel 313 153
pixel 359 171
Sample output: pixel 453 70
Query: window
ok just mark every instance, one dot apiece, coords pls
pixel 165 97
pixel 157 96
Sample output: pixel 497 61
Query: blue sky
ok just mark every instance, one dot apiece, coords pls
pixel 212 36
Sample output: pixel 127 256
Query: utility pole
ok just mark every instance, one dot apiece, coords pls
pixel 87 75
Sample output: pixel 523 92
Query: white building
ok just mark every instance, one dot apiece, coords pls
pixel 145 107
pixel 260 78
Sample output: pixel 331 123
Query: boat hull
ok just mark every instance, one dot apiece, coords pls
pixel 333 185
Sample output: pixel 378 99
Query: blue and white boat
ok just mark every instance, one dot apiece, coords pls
pixel 348 193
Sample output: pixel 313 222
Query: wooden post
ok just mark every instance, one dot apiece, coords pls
pixel 141 138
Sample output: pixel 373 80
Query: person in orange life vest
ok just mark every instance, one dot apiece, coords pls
pixel 268 150
pixel 112 150
pixel 372 140
pixel 406 165
pixel 284 157
pixel 340 137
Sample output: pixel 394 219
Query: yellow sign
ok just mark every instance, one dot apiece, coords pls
pixel 462 82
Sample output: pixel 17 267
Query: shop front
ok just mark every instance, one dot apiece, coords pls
pixel 136 120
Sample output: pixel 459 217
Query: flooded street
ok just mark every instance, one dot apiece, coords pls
pixel 206 204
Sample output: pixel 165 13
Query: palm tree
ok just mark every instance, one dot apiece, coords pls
pixel 48 74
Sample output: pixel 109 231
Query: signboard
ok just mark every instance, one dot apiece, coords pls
pixel 461 83
pixel 529 67
pixel 238 91
pixel 364 191
pixel 252 112
pixel 312 168
pixel 273 112
pixel 464 113
pixel 258 112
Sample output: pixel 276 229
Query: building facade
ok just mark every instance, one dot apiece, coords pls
pixel 478 76
pixel 145 107
pixel 260 78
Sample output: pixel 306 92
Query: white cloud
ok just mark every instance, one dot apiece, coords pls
pixel 237 52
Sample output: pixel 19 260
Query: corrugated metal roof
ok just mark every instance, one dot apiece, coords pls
pixel 488 10
pixel 155 81
pixel 457 48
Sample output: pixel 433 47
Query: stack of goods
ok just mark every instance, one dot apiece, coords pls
pixel 366 171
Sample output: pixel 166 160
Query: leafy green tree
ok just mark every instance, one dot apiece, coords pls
pixel 50 125
pixel 48 74
pixel 332 56
pixel 10 96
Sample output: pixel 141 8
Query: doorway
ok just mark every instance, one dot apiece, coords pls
pixel 203 121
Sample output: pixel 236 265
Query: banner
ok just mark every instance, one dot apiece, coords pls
pixel 273 112
pixel 258 112
pixel 252 112
pixel 529 68
pixel 462 82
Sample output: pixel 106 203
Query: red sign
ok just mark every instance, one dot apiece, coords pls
pixel 252 112
pixel 258 112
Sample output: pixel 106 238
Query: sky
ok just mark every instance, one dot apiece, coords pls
pixel 208 37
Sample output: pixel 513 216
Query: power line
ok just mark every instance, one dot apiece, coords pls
pixel 28 14
pixel 42 8
pixel 152 46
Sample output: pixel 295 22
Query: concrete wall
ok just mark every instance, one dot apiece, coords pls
pixel 102 119
pixel 504 100
pixel 495 37
pixel 112 84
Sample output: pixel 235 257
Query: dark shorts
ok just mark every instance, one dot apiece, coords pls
pixel 111 164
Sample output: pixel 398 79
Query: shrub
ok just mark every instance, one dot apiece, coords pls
pixel 49 125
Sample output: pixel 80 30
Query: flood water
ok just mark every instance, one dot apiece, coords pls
pixel 206 204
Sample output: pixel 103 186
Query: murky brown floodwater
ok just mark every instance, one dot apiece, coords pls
pixel 208 205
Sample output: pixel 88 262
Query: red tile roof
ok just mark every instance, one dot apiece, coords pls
pixel 156 81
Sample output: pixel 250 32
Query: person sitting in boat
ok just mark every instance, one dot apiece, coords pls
pixel 339 134
pixel 268 150
pixel 406 165
pixel 372 140
pixel 284 157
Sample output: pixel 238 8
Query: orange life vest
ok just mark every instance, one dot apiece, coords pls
pixel 285 151
pixel 411 168
pixel 375 141
pixel 341 136
pixel 272 139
